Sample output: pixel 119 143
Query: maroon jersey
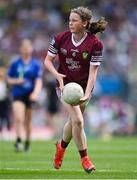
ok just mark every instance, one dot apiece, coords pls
pixel 76 58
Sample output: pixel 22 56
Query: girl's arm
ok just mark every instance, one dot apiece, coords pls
pixel 37 89
pixel 15 81
pixel 49 65
pixel 91 82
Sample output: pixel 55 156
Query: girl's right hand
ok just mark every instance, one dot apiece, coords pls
pixel 60 80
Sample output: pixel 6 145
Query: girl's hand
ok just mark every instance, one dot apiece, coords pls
pixel 61 81
pixel 33 97
pixel 85 98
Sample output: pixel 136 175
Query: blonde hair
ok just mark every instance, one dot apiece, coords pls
pixel 26 42
pixel 86 14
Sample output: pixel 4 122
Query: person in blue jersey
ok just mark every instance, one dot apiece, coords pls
pixel 25 77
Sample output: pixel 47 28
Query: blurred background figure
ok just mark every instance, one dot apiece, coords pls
pixel 25 77
pixel 52 105
pixel 4 101
pixel 117 79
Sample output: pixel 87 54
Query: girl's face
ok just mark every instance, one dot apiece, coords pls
pixel 26 48
pixel 76 25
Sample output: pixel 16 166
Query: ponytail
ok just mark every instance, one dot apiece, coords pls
pixel 98 26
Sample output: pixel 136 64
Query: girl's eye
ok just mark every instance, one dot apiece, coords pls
pixel 73 20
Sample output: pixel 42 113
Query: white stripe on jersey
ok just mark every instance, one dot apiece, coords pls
pixel 51 54
pixel 97 56
pixel 53 50
pixel 96 59
pixel 94 63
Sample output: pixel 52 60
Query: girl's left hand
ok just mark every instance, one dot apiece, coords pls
pixel 84 98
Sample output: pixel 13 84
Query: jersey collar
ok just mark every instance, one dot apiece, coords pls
pixel 78 43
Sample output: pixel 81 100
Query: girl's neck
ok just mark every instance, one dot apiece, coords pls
pixel 78 37
pixel 26 59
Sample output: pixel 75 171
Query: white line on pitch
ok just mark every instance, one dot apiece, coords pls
pixel 100 170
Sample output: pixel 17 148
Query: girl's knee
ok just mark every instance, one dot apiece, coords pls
pixel 78 122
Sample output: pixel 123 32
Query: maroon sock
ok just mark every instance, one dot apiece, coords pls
pixel 83 153
pixel 64 144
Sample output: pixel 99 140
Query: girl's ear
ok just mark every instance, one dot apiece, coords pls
pixel 85 23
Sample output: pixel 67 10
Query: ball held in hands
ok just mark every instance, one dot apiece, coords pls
pixel 72 93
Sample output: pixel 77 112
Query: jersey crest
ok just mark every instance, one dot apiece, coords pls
pixel 85 55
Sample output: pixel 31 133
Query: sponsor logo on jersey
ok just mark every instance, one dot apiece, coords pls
pixel 85 55
pixel 63 51
pixel 74 52
pixel 73 65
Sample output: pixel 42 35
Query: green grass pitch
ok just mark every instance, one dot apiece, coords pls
pixel 114 159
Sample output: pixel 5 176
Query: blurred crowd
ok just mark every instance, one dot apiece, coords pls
pixel 113 107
